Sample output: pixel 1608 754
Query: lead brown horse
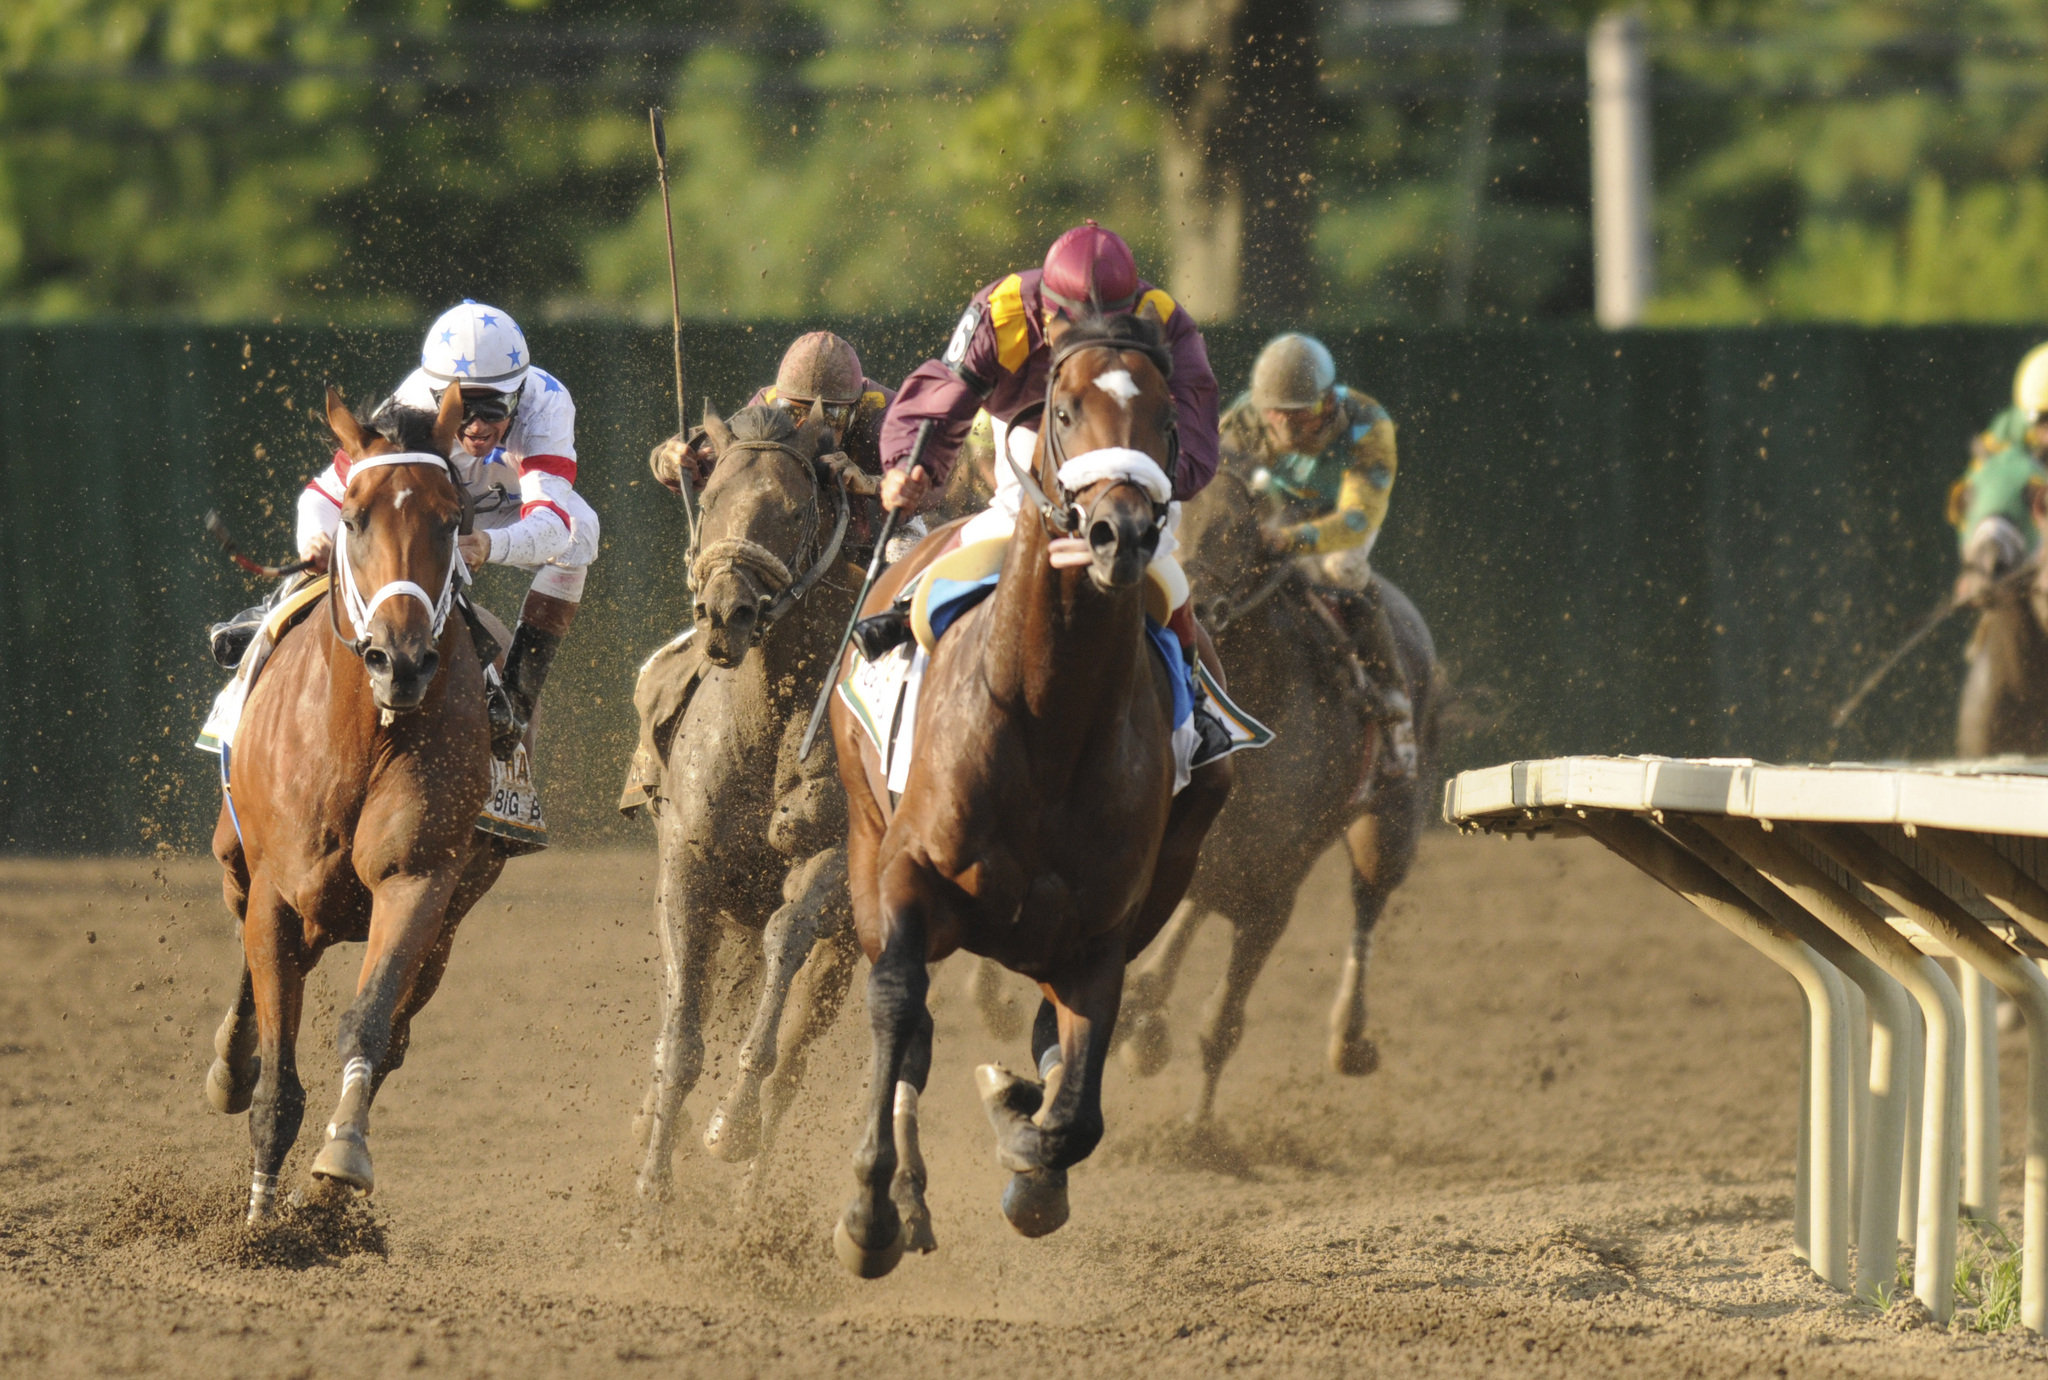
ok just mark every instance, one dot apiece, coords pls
pixel 357 772
pixel 1038 824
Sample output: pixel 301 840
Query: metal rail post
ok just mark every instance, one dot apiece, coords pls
pixel 1808 905
pixel 1824 1115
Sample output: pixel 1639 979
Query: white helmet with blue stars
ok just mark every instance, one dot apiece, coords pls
pixel 477 347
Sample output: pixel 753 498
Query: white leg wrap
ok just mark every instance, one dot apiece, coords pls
pixel 356 1070
pixel 906 1100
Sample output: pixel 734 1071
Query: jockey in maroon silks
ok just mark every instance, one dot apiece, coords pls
pixel 998 359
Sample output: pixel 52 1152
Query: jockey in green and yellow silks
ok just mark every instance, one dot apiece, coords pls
pixel 1323 455
pixel 1992 507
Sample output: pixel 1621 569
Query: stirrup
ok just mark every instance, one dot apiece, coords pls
pixel 882 633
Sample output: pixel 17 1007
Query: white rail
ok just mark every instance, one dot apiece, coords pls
pixel 1854 879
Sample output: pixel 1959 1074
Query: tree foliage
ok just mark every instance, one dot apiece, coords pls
pixel 1866 160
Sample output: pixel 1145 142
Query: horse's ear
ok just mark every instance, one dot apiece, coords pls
pixel 343 423
pixel 716 429
pixel 1057 329
pixel 1148 310
pixel 448 425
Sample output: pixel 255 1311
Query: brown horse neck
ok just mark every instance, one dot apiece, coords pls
pixel 1052 643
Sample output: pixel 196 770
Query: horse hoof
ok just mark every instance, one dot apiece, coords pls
pixel 862 1262
pixel 1036 1201
pixel 1005 1095
pixel 1148 1045
pixel 226 1093
pixel 734 1138
pixel 1354 1058
pixel 917 1232
pixel 346 1160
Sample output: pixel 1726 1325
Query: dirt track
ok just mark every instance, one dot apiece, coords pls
pixel 1575 1160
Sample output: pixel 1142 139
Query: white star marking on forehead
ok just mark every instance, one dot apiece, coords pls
pixel 398 501
pixel 1118 384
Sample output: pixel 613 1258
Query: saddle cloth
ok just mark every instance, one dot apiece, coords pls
pixel 883 694
pixel 512 810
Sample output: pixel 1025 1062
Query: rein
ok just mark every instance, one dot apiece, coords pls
pixel 361 610
pixel 768 569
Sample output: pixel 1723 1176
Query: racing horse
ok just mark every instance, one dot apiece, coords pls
pixel 1037 825
pixel 351 794
pixel 750 835
pixel 1312 786
pixel 2004 704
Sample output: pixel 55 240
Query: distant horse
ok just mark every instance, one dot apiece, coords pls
pixel 2004 705
pixel 357 772
pixel 1293 799
pixel 1038 824
pixel 749 835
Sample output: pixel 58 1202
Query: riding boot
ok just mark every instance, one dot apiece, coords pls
pixel 228 640
pixel 1212 733
pixel 1381 657
pixel 526 670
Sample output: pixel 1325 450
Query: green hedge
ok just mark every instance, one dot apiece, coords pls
pixel 1685 543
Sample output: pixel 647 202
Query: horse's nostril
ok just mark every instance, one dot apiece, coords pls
pixel 1102 536
pixel 429 664
pixel 378 660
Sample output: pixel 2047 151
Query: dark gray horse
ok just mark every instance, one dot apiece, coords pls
pixel 1293 799
pixel 751 837
pixel 2004 706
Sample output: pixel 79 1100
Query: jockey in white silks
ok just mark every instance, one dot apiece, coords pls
pixel 517 457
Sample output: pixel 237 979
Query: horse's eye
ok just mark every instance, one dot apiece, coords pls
pixel 353 522
pixel 1061 414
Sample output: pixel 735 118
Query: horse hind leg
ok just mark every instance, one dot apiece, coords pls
pixel 231 1080
pixel 906 1186
pixel 1144 1036
pixel 1002 1014
pixel 1382 847
pixel 818 993
pixel 734 1132
pixel 277 962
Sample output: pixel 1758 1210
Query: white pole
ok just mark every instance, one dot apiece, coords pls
pixel 1980 1094
pixel 1618 77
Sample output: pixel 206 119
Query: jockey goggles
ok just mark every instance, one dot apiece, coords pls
pixel 838 414
pixel 486 405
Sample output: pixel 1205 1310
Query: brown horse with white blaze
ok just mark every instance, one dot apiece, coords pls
pixel 358 769
pixel 1038 824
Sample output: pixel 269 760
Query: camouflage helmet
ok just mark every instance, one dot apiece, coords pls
pixel 1293 371
pixel 820 367
pixel 2030 383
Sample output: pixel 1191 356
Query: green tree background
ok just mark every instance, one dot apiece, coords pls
pixel 1381 161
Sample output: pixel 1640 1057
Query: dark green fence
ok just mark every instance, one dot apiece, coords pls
pixel 1661 542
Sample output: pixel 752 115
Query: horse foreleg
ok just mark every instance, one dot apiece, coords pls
pixel 1382 846
pixel 1042 1130
pixel 408 916
pixel 869 1238
pixel 476 880
pixel 688 941
pixel 1146 1038
pixel 273 944
pixel 1251 944
pixel 734 1131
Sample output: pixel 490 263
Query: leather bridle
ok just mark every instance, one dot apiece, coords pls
pixel 764 566
pixel 1064 519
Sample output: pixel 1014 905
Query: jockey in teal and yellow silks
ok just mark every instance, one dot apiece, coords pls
pixel 1323 455
pixel 1992 507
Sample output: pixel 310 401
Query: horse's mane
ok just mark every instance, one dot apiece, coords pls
pixel 1127 329
pixel 762 422
pixel 409 428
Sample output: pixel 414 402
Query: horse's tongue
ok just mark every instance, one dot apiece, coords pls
pixel 1068 552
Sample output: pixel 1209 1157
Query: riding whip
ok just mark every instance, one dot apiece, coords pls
pixel 218 530
pixel 924 431
pixel 1919 634
pixel 675 297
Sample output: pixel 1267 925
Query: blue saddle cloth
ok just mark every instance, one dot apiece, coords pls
pixel 951 598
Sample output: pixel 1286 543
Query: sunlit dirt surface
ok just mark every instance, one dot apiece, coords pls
pixel 1576 1159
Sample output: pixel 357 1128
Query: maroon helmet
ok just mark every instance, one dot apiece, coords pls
pixel 1090 268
